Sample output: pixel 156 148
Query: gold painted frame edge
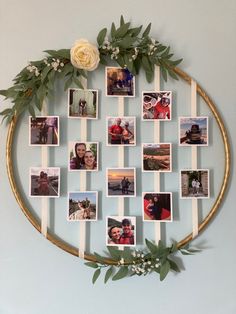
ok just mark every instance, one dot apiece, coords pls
pixel 75 251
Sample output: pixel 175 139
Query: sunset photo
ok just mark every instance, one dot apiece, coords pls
pixel 121 182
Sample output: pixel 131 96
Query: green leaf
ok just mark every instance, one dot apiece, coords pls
pixel 186 252
pixel 52 53
pixel 91 264
pixel 77 82
pixel 108 274
pixel 96 275
pixel 165 268
pixel 172 74
pixel 45 72
pixel 122 30
pixel 127 42
pixel 68 83
pixel 113 30
pixel 3 92
pixel 127 255
pixel 135 31
pixel 151 246
pixel 31 111
pixel 99 258
pixel 101 36
pixel 174 266
pixel 174 247
pixel 146 64
pixel 147 30
pixel 175 62
pixel 122 21
pixel 122 272
pixel 103 60
pixel 114 252
pixel 149 76
pixel 5 112
pixel 166 52
pixel 64 53
pixel 163 73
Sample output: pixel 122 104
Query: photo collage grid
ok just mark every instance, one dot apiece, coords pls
pixel 120 131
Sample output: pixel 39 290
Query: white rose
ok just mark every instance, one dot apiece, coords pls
pixel 84 55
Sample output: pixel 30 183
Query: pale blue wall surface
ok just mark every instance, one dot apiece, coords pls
pixel 35 276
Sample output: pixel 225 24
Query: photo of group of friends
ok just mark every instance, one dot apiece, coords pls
pixel 156 105
pixel 83 156
pixel 82 206
pixel 121 231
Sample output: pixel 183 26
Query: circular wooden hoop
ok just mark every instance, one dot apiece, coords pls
pixel 75 251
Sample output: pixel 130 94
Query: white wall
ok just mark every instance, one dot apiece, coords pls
pixel 37 277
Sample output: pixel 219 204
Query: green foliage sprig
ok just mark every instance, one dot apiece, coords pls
pixel 153 259
pixel 129 49
pixel 124 45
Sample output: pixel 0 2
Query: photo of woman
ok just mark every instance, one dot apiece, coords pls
pixel 83 156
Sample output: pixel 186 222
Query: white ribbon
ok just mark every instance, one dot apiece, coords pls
pixel 44 200
pixel 83 182
pixel 157 224
pixel 194 158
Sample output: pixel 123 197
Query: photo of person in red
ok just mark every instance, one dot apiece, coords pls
pixel 116 131
pixel 127 236
pixel 157 105
pixel 157 206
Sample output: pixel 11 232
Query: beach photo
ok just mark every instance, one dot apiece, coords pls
pixel 156 157
pixel 156 105
pixel 82 103
pixel 194 183
pixel 121 182
pixel 119 82
pixel 121 231
pixel 44 131
pixel 157 206
pixel 121 131
pixel 82 206
pixel 44 182
pixel 83 156
pixel 193 131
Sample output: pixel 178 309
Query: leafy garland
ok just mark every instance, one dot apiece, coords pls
pixel 124 45
pixel 157 259
pixel 130 50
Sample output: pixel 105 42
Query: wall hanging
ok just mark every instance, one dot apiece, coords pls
pixel 125 50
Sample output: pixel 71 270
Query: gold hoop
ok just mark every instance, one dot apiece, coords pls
pixel 75 251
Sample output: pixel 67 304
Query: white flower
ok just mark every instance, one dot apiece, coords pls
pixel 84 55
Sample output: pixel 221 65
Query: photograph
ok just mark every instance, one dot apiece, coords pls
pixel 121 182
pixel 82 206
pixel 44 131
pixel 44 182
pixel 156 105
pixel 119 82
pixel 157 206
pixel 121 231
pixel 156 157
pixel 82 103
pixel 121 131
pixel 83 156
pixel 194 183
pixel 193 131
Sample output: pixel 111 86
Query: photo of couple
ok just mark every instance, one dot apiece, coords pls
pixel 121 182
pixel 157 206
pixel 195 183
pixel 121 131
pixel 83 156
pixel 121 231
pixel 44 131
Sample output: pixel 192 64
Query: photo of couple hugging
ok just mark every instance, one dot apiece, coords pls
pixel 121 232
pixel 83 156
pixel 121 131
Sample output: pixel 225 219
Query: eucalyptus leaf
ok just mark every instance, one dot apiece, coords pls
pixel 113 30
pixel 31 111
pixel 5 112
pixel 96 275
pixel 45 72
pixel 64 53
pixel 127 42
pixel 3 92
pixel 122 30
pixel 122 21
pixel 147 30
pixel 165 268
pixel 174 266
pixel 99 258
pixel 108 274
pixel 91 264
pixel 122 272
pixel 135 31
pixel 78 82
pixel 101 36
pixel 114 252
pixel 151 246
pixel 68 83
